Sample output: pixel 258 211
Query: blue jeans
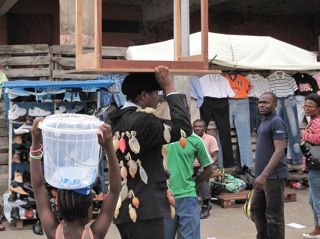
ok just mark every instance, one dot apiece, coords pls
pixel 238 112
pixel 255 116
pixel 287 110
pixel 186 221
pixel 314 194
pixel 267 210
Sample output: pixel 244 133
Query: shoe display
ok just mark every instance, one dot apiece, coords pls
pixel 40 98
pixel 17 139
pixel 205 212
pixel 58 97
pixel 27 138
pixel 55 91
pixel 36 92
pixel 18 176
pixel 14 187
pixel 29 120
pixel 102 110
pixel 17 92
pixel 16 112
pixel 16 157
pixel 15 213
pixel 76 97
pixel 13 197
pixel 48 98
pixel 38 112
pixel 37 229
pixel 28 213
pixel 23 197
pixel 26 177
pixel 24 157
pixel 75 109
pixel 28 205
pixel 67 97
pixel 60 109
pixel 23 129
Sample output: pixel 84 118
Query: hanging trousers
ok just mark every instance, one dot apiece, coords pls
pixel 218 110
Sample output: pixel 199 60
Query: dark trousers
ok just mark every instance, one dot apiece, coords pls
pixel 153 228
pixel 267 210
pixel 255 116
pixel 218 110
pixel 204 190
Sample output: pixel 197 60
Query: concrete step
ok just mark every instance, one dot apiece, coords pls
pixel 2 108
pixel 4 159
pixel 4 145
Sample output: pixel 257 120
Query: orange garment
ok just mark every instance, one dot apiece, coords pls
pixel 240 85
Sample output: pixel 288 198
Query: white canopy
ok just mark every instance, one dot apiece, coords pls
pixel 236 51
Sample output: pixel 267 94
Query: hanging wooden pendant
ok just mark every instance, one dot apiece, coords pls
pixel 135 200
pixel 132 213
pixel 132 165
pixel 116 212
pixel 123 171
pixel 142 172
pixel 116 143
pixel 132 168
pixel 122 143
pixel 164 151
pixel 133 142
pixel 124 192
pixel 183 141
pixel 166 133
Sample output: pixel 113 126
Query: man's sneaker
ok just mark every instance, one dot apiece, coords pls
pixel 38 112
pixel 67 97
pixel 205 212
pixel 54 91
pixel 76 97
pixel 60 109
pixel 75 109
pixel 23 129
pixel 15 112
pixel 17 91
pixel 48 98
pixel 33 91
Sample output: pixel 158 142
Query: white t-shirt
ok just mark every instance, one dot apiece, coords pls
pixel 216 86
pixel 259 85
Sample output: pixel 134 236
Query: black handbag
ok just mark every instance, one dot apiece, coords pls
pixel 312 154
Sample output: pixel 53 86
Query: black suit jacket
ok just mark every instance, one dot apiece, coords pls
pixel 149 133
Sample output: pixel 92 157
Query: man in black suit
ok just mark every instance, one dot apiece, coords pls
pixel 139 136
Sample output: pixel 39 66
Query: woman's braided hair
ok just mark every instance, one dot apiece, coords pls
pixel 73 205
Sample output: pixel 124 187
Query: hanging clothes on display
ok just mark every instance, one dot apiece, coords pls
pixel 216 90
pixel 117 97
pixel 317 77
pixel 284 86
pixel 259 85
pixel 306 85
pixel 196 95
pixel 238 115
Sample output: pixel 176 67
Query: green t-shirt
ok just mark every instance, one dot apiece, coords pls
pixel 180 164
